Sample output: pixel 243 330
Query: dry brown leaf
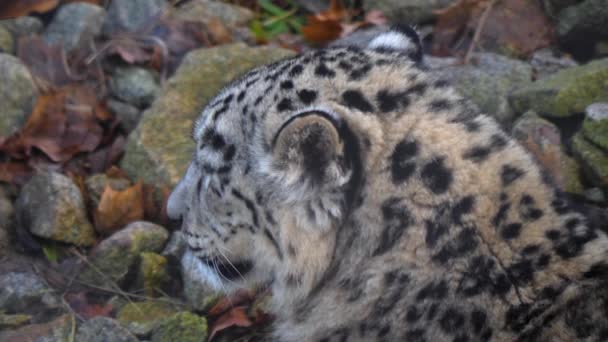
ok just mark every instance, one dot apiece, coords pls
pixel 16 8
pixel 45 62
pixel 321 31
pixel 85 308
pixel 235 317
pixel 116 209
pixel 240 297
pixel 517 27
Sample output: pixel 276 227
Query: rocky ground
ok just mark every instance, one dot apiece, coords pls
pixel 69 271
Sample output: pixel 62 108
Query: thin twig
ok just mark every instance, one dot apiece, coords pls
pixel 478 29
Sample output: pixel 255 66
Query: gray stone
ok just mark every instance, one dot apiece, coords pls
pixel 182 326
pixel 159 150
pixel 128 115
pixel 23 26
pixel 51 206
pixel 74 24
pixel 595 126
pixel 129 15
pixel 595 195
pixel 204 10
pixel 18 94
pixel 552 7
pixel 57 330
pixel 134 85
pixel 143 317
pixel 96 184
pixel 407 11
pixel 587 20
pixel 546 63
pixel 597 111
pixel 102 329
pixel 593 159
pixel 176 246
pixel 7 43
pixel 25 292
pixel 565 93
pixel 111 259
pixel 487 81
pixel 6 219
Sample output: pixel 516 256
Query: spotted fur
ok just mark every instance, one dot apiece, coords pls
pixel 380 206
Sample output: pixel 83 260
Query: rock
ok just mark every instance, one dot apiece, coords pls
pixel 152 272
pixel 546 62
pixel 13 321
pixel 23 26
pixel 127 114
pixel 487 81
pixel 143 317
pixel 580 26
pixel 112 258
pixel 96 184
pixel 567 92
pixel 7 43
pixel 595 126
pixel 134 85
pixel 102 329
pixel 543 140
pixel 74 24
pixel 205 10
pixel 601 49
pixel 26 293
pixel 6 223
pixel 57 330
pixel 407 11
pixel 198 293
pixel 129 15
pixel 552 7
pixel 50 206
pixel 183 326
pixel 593 159
pixel 595 195
pixel 159 150
pixel 18 94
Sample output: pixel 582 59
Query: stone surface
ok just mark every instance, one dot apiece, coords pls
pixel 141 318
pixel 407 11
pixel 487 81
pixel 183 326
pixel 128 115
pixel 593 159
pixel 587 20
pixel 18 94
pixel 159 150
pixel 552 7
pixel 112 258
pixel 7 43
pixel 546 62
pixel 543 140
pixel 57 330
pixel 23 26
pixel 152 273
pixel 26 293
pixel 134 85
pixel 6 224
pixel 199 294
pixel 176 246
pixel 595 126
pixel 567 92
pixel 205 10
pixel 13 321
pixel 51 206
pixel 103 329
pixel 74 24
pixel 129 15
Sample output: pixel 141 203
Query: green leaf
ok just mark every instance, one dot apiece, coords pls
pixel 258 30
pixel 51 252
pixel 271 8
pixel 277 28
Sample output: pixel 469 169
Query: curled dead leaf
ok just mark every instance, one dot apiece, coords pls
pixel 17 8
pixel 117 208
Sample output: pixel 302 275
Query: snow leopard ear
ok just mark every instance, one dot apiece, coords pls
pixel 309 150
pixel 400 38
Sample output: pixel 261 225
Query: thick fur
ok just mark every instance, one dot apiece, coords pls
pixel 378 205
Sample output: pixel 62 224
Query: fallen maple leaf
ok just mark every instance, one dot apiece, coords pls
pixel 12 9
pixel 116 209
pixel 235 317
pixel 46 62
pixel 85 308
pixel 239 297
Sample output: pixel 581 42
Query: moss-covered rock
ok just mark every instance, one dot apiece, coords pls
pixel 18 94
pixel 543 140
pixel 593 159
pixel 101 329
pixel 141 318
pixel 595 126
pixel 159 150
pixel 111 259
pixel 51 206
pixel 183 326
pixel 152 272
pixel 59 329
pixel 13 321
pixel 7 43
pixel 566 93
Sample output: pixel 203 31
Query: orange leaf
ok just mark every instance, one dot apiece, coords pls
pixel 236 317
pixel 241 296
pixel 17 8
pixel 80 303
pixel 321 31
pixel 116 209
